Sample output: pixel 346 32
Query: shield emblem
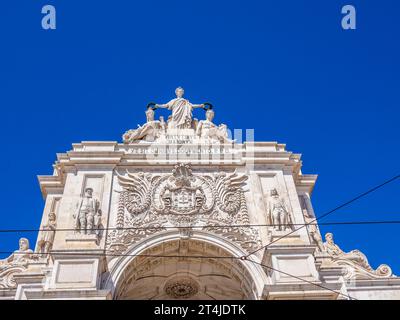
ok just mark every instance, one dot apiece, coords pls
pixel 183 200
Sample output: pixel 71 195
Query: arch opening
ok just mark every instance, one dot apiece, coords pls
pixel 189 269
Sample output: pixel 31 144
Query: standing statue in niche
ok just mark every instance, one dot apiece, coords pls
pixel 20 257
pixel 88 217
pixel 181 108
pixel 316 236
pixel 207 129
pixel 97 224
pixel 47 235
pixel 278 212
pixel 311 223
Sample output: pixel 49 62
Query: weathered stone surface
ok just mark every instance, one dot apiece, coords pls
pixel 172 211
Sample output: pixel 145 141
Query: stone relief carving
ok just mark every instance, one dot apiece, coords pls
pixel 88 216
pixel 47 234
pixel 278 212
pixel 313 230
pixel 183 198
pixel 355 260
pixel 181 288
pixel 149 203
pixel 315 236
pixel 17 262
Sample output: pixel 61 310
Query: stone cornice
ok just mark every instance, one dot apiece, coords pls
pixel 284 291
pixel 51 184
pixel 110 154
pixel 306 182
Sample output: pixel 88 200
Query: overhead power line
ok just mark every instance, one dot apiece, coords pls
pixel 210 226
pixel 244 257
pixel 185 256
pixel 330 211
pixel 301 279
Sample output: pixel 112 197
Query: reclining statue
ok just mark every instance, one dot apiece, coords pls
pixel 20 257
pixel 149 131
pixel 354 259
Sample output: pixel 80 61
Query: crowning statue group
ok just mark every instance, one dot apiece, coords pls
pixel 181 118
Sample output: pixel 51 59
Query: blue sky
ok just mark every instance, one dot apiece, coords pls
pixel 284 68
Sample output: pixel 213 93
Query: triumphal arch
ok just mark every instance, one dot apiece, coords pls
pixel 182 208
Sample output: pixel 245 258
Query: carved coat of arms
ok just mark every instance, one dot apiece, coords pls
pixel 151 202
pixel 180 195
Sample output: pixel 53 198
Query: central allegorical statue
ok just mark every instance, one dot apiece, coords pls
pixel 181 108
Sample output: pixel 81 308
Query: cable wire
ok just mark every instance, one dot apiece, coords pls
pixel 330 211
pixel 209 227
pixel 243 258
pixel 222 257
pixel 301 279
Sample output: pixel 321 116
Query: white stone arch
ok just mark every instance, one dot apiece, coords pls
pixel 117 267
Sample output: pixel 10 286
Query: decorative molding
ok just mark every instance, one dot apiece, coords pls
pixel 181 288
pixel 356 263
pixel 17 262
pixel 183 200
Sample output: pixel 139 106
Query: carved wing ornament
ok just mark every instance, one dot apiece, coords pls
pixel 16 263
pixel 136 195
pixel 181 199
pixel 228 188
pixel 7 276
